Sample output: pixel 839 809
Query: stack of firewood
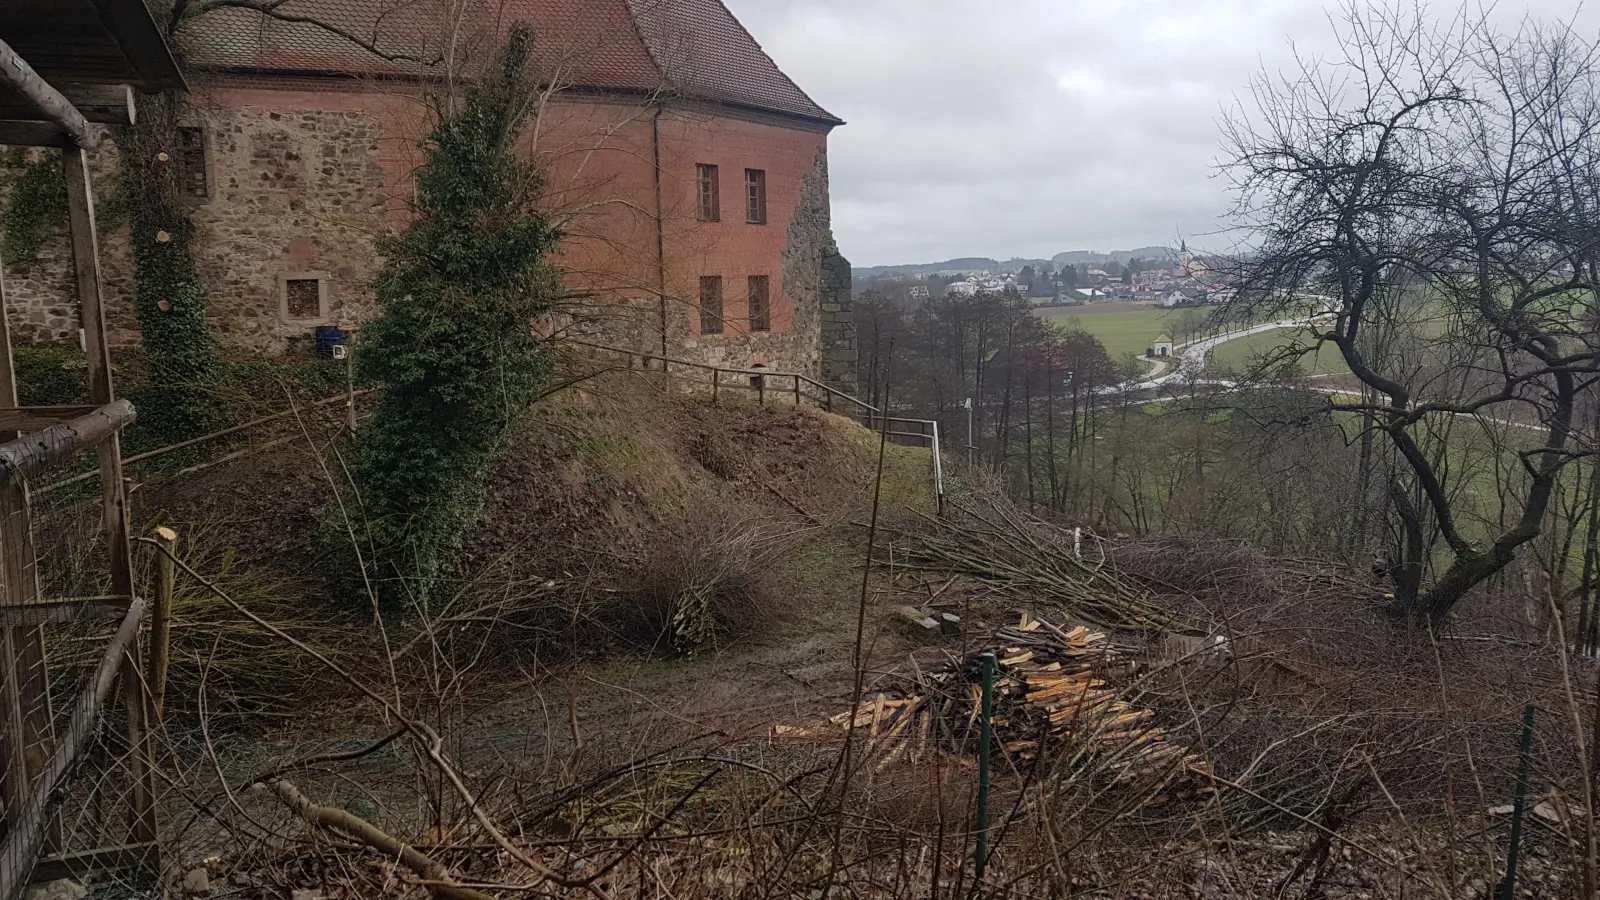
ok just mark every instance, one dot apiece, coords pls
pixel 1050 696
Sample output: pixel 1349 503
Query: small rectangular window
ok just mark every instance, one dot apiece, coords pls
pixel 760 303
pixel 302 298
pixel 711 304
pixel 192 162
pixel 755 195
pixel 710 193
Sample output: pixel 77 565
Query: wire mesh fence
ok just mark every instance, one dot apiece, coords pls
pixel 70 636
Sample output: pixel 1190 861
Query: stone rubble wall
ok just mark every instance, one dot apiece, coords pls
pixel 839 353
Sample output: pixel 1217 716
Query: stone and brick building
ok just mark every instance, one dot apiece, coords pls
pixel 689 173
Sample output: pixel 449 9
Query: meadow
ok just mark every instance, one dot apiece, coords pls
pixel 1241 354
pixel 1122 327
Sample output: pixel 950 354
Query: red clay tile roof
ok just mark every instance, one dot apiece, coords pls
pixel 693 48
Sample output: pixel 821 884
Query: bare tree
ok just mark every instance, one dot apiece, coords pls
pixel 1452 166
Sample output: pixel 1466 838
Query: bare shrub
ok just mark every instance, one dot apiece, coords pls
pixel 706 578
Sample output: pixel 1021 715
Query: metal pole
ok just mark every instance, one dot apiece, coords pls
pixel 970 448
pixel 350 389
pixel 1508 888
pixel 986 713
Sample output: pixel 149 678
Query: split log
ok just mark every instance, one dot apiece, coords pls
pixel 1051 696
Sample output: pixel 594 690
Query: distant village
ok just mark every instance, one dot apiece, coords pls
pixel 1182 281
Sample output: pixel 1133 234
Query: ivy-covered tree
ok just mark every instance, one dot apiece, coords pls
pixel 169 298
pixel 452 347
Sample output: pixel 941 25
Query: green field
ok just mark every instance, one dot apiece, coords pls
pixel 1131 328
pixel 1239 355
pixel 1122 327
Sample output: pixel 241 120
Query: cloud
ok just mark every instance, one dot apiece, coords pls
pixel 1027 127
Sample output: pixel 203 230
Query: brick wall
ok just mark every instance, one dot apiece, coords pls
pixel 303 179
pixel 787 249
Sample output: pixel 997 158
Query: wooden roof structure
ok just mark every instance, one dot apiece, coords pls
pixel 97 41
pixel 66 65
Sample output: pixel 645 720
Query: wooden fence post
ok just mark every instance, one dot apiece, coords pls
pixel 716 380
pixel 114 499
pixel 797 390
pixel 161 620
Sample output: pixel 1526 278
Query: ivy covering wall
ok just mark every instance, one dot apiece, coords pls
pixel 36 204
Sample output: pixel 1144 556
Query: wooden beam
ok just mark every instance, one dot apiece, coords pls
pixel 92 317
pixel 34 134
pixel 107 104
pixel 137 34
pixel 113 491
pixel 57 612
pixel 46 99
pixel 34 418
pixel 85 862
pixel 29 732
pixel 8 367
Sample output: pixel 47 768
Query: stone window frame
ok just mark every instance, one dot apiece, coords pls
pixel 206 160
pixel 324 314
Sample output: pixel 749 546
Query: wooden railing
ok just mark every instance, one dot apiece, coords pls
pixel 793 386
pixel 244 428
pixel 763 383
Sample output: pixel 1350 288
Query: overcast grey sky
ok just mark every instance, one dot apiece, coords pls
pixel 1027 127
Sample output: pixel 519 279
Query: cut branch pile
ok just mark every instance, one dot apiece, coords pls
pixel 1027 561
pixel 1050 698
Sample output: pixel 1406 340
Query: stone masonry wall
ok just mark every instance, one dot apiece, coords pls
pixel 295 192
pixel 838 323
pixel 290 193
pixel 41 293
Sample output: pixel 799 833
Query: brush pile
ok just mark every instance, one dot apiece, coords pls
pixel 1027 561
pixel 1051 698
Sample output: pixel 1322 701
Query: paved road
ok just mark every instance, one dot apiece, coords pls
pixel 1191 360
pixel 1192 356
